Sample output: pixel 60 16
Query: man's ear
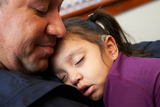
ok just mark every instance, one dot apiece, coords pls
pixel 111 47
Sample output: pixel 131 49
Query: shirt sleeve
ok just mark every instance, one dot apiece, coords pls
pixel 157 91
pixel 123 93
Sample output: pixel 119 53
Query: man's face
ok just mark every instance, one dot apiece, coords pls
pixel 28 32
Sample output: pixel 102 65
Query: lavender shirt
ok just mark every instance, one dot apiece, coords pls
pixel 133 82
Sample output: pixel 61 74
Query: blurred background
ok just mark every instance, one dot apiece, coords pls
pixel 139 18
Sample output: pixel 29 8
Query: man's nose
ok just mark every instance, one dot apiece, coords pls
pixel 75 78
pixel 55 25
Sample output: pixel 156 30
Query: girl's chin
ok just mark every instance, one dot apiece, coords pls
pixel 95 97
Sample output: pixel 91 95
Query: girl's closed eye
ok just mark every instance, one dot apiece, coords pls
pixel 62 77
pixel 79 61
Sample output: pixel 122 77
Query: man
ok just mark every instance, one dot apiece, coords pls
pixel 28 32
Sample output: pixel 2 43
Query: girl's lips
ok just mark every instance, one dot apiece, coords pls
pixel 86 90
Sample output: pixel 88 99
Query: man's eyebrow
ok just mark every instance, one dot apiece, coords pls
pixel 70 55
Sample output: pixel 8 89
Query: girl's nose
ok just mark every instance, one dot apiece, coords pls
pixel 75 78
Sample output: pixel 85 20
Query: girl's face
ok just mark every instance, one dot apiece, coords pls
pixel 79 63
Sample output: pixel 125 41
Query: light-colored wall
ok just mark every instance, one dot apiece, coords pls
pixel 143 22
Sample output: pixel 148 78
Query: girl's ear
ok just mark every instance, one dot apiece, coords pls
pixel 111 47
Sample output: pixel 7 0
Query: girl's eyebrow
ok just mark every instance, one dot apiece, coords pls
pixel 73 53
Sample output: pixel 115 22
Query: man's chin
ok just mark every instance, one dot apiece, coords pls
pixel 38 68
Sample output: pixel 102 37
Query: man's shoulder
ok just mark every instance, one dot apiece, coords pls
pixel 149 46
pixel 20 89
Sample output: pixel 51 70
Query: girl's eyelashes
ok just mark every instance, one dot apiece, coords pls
pixel 79 61
pixel 63 78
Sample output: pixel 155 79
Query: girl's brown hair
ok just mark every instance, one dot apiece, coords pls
pixel 91 31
